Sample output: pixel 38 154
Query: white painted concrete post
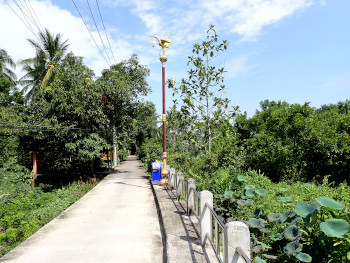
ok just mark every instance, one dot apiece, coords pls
pixel 191 183
pixel 236 234
pixel 172 178
pixel 206 203
pixel 180 178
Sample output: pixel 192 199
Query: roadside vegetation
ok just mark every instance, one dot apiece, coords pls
pixel 284 171
pixel 61 111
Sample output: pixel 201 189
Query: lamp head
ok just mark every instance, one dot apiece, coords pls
pixel 153 42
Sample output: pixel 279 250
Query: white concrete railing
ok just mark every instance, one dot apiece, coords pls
pixel 230 241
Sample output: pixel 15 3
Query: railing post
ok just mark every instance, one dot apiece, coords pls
pixel 191 188
pixel 180 178
pixel 236 234
pixel 172 178
pixel 206 203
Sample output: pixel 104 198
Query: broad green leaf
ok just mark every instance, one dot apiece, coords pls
pixel 256 212
pixel 249 186
pixel 241 202
pixel 256 223
pixel 276 237
pixel 264 230
pixel 261 191
pixel 285 199
pixel 228 194
pixel 241 178
pixel 292 233
pixel 329 203
pixel 250 192
pixel 282 189
pixel 258 249
pixel 303 257
pixel 296 220
pixel 303 209
pixel 292 248
pixel 273 217
pixel 335 227
pixel 287 214
pixel 269 256
pixel 259 260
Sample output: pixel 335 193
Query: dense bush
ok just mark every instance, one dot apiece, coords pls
pixel 25 209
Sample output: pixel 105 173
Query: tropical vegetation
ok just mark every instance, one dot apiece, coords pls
pixel 283 171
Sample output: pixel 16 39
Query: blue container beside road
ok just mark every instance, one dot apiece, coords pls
pixel 156 166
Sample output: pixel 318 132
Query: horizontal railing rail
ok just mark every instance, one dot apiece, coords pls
pixel 230 241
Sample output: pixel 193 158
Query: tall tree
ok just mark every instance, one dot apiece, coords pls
pixel 5 71
pixel 202 104
pixel 43 68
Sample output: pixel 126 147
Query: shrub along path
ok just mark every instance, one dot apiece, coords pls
pixel 115 222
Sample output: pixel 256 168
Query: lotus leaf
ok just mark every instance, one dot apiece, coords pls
pixel 241 178
pixel 228 194
pixel 265 230
pixel 256 223
pixel 258 248
pixel 292 248
pixel 292 233
pixel 259 260
pixel 307 185
pixel 241 202
pixel 304 209
pixel 296 220
pixel 276 237
pixel 250 201
pixel 269 256
pixel 273 217
pixel 261 191
pixel 287 214
pixel 256 212
pixel 249 186
pixel 335 227
pixel 282 189
pixel 250 192
pixel 285 199
pixel 303 257
pixel 329 203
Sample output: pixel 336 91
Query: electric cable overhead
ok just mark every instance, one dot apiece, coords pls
pixel 26 17
pixel 31 17
pixel 28 26
pixel 98 31
pixel 90 33
pixel 105 31
pixel 34 14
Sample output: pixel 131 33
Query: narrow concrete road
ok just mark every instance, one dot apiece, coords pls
pixel 115 222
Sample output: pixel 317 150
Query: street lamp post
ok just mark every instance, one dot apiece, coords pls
pixel 164 44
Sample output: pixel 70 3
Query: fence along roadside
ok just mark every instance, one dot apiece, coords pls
pixel 230 241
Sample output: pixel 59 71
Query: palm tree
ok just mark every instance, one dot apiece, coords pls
pixel 5 60
pixel 43 68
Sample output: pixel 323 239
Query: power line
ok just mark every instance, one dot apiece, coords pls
pixel 90 33
pixel 28 26
pixel 32 19
pixel 34 13
pixel 105 31
pixel 25 15
pixel 98 31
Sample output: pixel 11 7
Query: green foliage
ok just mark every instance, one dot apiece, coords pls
pixel 25 209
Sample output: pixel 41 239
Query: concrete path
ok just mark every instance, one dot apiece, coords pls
pixel 115 222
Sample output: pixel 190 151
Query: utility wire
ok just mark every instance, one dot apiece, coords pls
pixel 90 33
pixel 105 31
pixel 34 14
pixel 30 29
pixel 25 6
pixel 93 17
pixel 25 15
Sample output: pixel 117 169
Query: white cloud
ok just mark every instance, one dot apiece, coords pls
pixel 236 66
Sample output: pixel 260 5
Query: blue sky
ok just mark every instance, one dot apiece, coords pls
pixel 292 50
